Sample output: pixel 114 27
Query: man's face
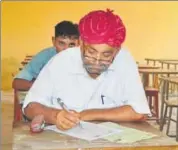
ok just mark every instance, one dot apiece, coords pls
pixel 63 42
pixel 97 57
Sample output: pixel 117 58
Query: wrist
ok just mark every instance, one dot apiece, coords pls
pixel 86 115
pixel 83 115
pixel 91 115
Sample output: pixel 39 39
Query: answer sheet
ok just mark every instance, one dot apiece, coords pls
pixel 87 131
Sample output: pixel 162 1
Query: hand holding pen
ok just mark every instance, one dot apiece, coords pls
pixel 66 119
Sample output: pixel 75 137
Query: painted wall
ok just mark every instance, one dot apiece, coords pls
pixel 152 27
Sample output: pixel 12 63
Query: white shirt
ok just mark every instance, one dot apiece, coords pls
pixel 65 77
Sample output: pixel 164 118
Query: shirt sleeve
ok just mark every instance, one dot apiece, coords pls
pixel 25 73
pixel 134 94
pixel 41 90
pixel 33 68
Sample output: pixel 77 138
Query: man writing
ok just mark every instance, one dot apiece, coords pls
pixel 97 81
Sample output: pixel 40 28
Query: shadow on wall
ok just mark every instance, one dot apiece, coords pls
pixel 9 68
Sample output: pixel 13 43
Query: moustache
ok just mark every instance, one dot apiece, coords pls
pixel 100 68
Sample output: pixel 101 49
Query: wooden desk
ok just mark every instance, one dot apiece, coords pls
pixel 155 73
pixel 24 63
pixel 154 60
pixel 23 139
pixel 19 97
pixel 29 56
pixel 145 66
pixel 169 63
pixel 171 79
pixel 158 71
pixel 27 59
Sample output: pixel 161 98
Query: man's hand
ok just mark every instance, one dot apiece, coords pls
pixel 67 120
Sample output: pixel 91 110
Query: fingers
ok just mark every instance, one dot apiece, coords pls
pixel 65 124
pixel 75 113
pixel 72 117
pixel 67 120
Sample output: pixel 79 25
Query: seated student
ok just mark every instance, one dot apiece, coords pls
pixel 66 35
pixel 97 81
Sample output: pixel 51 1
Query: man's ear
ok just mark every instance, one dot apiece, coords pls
pixel 118 49
pixel 80 41
pixel 81 45
pixel 53 40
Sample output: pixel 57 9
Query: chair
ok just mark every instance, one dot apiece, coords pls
pixel 17 108
pixel 168 103
pixel 19 96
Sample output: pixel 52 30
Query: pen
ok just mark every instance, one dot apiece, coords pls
pixel 61 103
pixel 102 99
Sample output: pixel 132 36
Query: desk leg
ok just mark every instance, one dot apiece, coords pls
pixel 145 80
pixel 177 127
pixel 17 109
pixel 155 81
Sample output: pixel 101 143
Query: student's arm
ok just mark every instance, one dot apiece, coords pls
pixel 22 84
pixel 25 78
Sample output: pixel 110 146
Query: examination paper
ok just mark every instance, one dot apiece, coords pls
pixel 88 131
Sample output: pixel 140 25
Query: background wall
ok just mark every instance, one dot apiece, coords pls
pixel 27 27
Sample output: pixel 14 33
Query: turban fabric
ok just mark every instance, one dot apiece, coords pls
pixel 102 27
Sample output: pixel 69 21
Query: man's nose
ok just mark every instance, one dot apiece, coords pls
pixel 98 58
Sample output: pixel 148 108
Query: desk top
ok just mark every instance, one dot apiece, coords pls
pixel 171 62
pixel 48 140
pixel 145 66
pixel 29 56
pixel 159 71
pixel 24 62
pixel 160 59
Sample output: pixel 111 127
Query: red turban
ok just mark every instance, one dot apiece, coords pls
pixel 102 27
